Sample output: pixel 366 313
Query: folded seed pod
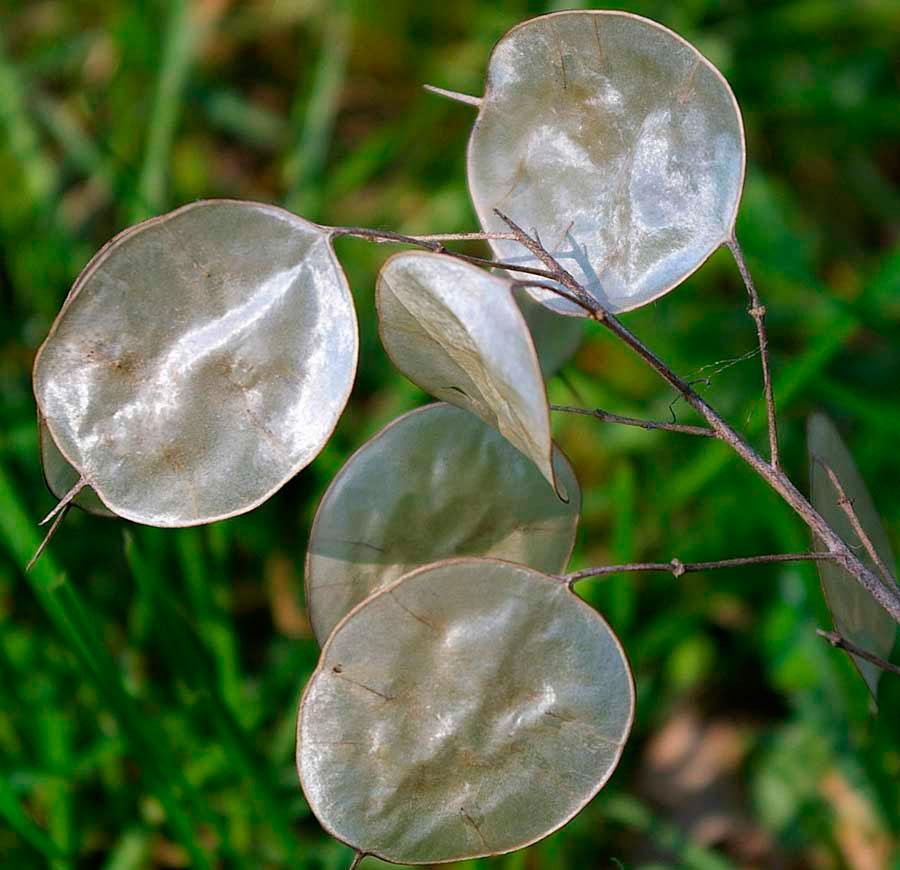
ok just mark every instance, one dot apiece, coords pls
pixel 469 709
pixel 435 483
pixel 202 359
pixel 618 143
pixel 455 330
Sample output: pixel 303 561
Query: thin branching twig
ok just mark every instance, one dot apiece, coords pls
pixel 676 567
pixel 436 245
pixel 758 312
pixel 888 598
pixel 608 417
pixel 840 642
pixel 846 505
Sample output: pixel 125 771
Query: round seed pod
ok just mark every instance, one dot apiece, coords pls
pixel 202 360
pixel 618 143
pixel 469 709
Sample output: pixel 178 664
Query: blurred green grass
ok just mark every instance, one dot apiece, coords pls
pixel 149 679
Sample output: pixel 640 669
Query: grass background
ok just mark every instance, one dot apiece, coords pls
pixel 149 678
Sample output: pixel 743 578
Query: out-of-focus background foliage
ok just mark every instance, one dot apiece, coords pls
pixel 149 679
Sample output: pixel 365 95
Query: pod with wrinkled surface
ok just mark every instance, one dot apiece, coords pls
pixel 856 614
pixel 202 359
pixel 435 483
pixel 618 143
pixel 455 331
pixel 469 709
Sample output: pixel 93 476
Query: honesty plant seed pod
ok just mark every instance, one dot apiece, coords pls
pixel 435 483
pixel 471 708
pixel 202 360
pixel 455 330
pixel 857 615
pixel 615 141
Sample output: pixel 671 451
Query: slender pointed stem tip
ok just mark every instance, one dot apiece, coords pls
pixel 64 501
pixel 453 95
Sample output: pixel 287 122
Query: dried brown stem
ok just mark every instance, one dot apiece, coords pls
pixel 846 505
pixel 357 860
pixel 555 271
pixel 436 244
pixel 608 417
pixel 64 502
pixel 676 567
pixel 840 642
pixel 553 288
pixel 888 598
pixel 758 312
pixel 54 526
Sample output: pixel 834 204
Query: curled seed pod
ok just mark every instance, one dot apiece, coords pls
pixel 60 476
pixel 455 330
pixel 471 708
pixel 856 614
pixel 618 143
pixel 202 360
pixel 435 483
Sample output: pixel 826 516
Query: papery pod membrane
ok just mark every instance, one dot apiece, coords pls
pixel 856 614
pixel 435 483
pixel 469 709
pixel 556 339
pixel 618 143
pixel 60 476
pixel 455 331
pixel 202 359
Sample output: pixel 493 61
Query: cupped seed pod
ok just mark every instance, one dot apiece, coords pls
pixel 435 483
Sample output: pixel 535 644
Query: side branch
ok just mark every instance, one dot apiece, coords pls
pixel 846 505
pixel 436 245
pixel 758 312
pixel 608 417
pixel 840 642
pixel 888 598
pixel 676 567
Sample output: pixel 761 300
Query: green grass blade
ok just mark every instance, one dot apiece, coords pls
pixel 18 819
pixel 183 36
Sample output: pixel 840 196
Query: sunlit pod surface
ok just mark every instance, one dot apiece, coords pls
pixel 856 614
pixel 202 360
pixel 469 709
pixel 455 330
pixel 615 140
pixel 435 483
pixel 556 339
pixel 60 476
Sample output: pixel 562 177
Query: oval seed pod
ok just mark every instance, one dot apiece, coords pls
pixel 60 476
pixel 455 331
pixel 469 709
pixel 435 483
pixel 856 614
pixel 203 360
pixel 618 143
